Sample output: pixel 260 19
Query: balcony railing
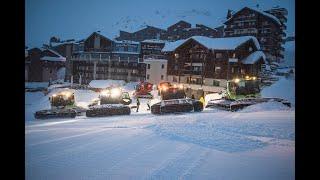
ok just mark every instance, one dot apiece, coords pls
pixel 97 57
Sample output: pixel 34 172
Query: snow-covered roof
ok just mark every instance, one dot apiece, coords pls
pixel 254 57
pixel 228 43
pixel 272 17
pixel 51 58
pixel 106 83
pixel 153 41
pixel 268 15
pixel 171 46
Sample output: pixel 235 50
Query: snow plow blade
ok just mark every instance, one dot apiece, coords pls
pixel 234 105
pixel 57 113
pixel 177 106
pixel 108 110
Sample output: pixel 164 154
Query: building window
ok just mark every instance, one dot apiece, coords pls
pixel 175 67
pixel 250 49
pixel 176 55
pixel 242 71
pixel 217 69
pixel 218 55
pixel 148 76
pixel 162 66
pixel 161 77
pixel 174 79
pixel 234 55
pixel 216 83
pixel 148 66
pixel 232 70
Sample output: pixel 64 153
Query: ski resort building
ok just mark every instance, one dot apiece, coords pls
pixel 151 47
pixel 149 32
pixel 156 70
pixel 44 65
pixel 179 30
pixel 267 26
pixel 202 62
pixel 104 58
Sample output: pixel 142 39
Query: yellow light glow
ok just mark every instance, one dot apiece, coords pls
pixel 181 86
pixel 237 80
pixel 115 92
pixel 175 86
pixel 164 88
pixel 54 95
pixel 105 92
pixel 247 77
pixel 254 78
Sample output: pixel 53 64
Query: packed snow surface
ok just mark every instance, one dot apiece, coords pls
pixel 257 142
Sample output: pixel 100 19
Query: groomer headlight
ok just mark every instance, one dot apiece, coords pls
pixel 115 92
pixel 105 92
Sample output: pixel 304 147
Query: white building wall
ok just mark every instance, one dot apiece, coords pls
pixel 153 75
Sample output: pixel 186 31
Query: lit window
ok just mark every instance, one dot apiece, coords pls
pixel 176 55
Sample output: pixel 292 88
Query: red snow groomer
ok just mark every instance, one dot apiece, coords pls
pixel 143 90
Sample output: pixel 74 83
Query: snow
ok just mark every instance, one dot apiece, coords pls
pixel 49 58
pixel 61 73
pixel 171 46
pixel 228 43
pixel 153 41
pixel 275 19
pixel 257 142
pixel 32 85
pixel 267 106
pixel 284 88
pixel 207 145
pixel 289 54
pixel 106 83
pixel 254 57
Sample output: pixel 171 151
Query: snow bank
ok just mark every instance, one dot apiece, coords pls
pixel 35 101
pixel 267 106
pixel 284 88
pixel 31 85
pixel 106 83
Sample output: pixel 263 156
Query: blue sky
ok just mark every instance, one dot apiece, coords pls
pixel 78 18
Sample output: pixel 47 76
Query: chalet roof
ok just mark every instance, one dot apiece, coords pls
pixel 58 57
pixel 171 46
pixel 228 43
pixel 153 41
pixel 270 16
pixel 98 33
pixel 254 57
pixel 142 28
pixel 179 22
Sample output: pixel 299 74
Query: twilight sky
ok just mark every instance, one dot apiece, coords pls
pixel 76 19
